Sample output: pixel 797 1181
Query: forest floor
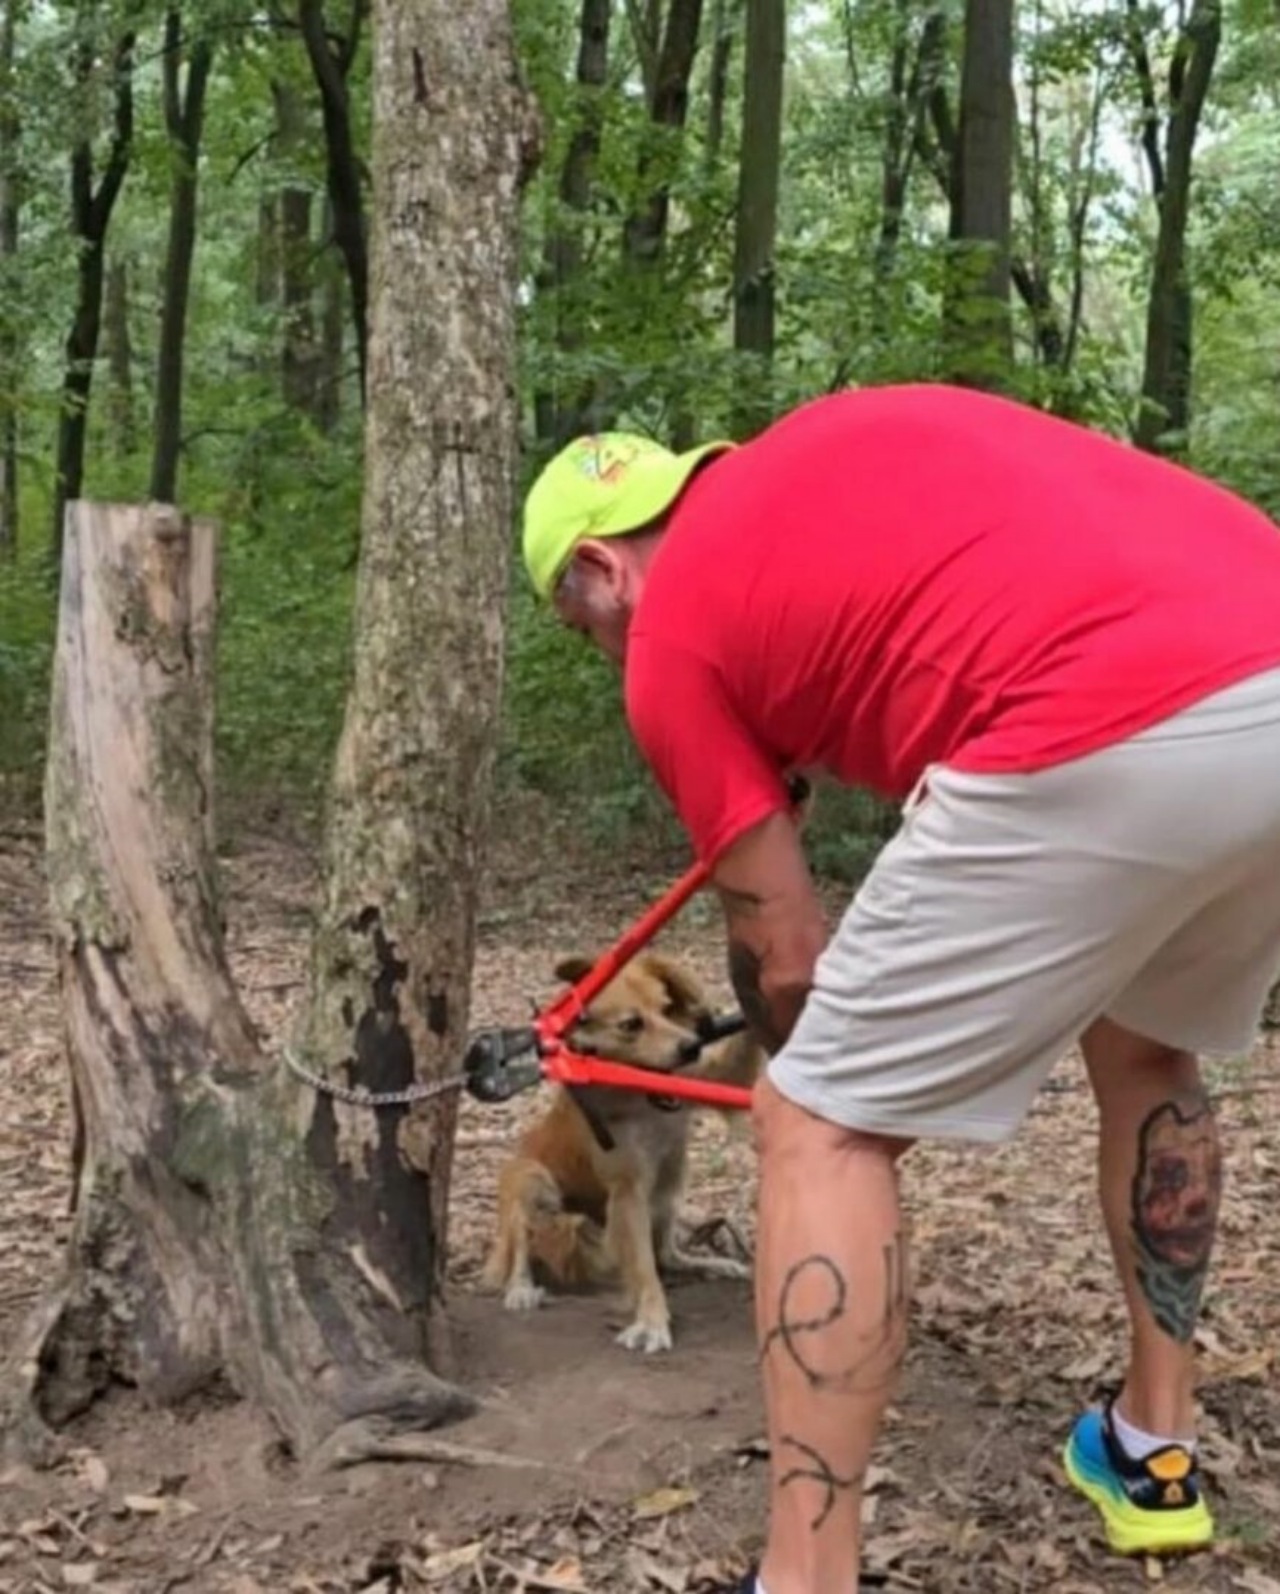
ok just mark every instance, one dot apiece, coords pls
pixel 648 1473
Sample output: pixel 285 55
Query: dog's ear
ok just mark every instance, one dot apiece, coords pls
pixel 688 999
pixel 571 969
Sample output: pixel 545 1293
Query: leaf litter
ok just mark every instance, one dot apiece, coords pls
pixel 654 1480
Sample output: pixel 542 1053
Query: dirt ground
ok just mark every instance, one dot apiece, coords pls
pixel 620 1473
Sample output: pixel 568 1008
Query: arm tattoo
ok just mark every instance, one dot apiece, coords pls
pixel 1177 1189
pixel 818 1470
pixel 883 1346
pixel 744 974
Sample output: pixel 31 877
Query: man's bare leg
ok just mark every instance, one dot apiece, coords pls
pixel 831 1311
pixel 1160 1177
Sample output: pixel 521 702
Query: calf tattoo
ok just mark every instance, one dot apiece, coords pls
pixel 1177 1189
pixel 818 1470
pixel 882 1346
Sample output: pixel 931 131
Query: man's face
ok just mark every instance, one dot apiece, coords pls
pixel 598 597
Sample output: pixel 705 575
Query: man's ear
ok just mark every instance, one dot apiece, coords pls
pixel 572 969
pixel 603 559
pixel 688 999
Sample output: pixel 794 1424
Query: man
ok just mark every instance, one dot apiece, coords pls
pixel 1065 656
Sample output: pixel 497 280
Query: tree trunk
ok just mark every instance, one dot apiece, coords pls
pixel 119 357
pixel 184 122
pixel 757 222
pixel 668 97
pixel 331 60
pixel 1084 175
pixel 914 79
pixel 228 1220
pixel 90 216
pixel 977 327
pixel 563 415
pixel 409 802
pixel 10 323
pixel 299 352
pixel 267 259
pixel 333 311
pixel 298 345
pixel 939 154
pixel 1034 276
pixel 724 18
pixel 1164 415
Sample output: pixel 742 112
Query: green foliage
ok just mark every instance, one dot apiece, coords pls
pixel 566 734
pixel 27 621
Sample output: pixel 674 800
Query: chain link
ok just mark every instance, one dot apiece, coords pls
pixel 356 1097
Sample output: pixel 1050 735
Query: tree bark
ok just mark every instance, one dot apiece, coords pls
pixel 757 223
pixel 1164 414
pixel 90 217
pixel 977 327
pixel 331 61
pixel 10 323
pixel 184 122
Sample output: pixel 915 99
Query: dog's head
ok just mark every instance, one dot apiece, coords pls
pixel 644 1015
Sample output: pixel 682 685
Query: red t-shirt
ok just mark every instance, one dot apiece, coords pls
pixel 903 576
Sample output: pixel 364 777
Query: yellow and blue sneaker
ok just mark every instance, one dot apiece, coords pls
pixel 1148 1507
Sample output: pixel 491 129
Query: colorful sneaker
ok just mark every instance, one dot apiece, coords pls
pixel 1151 1507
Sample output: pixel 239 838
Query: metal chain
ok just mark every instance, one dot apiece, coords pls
pixel 356 1097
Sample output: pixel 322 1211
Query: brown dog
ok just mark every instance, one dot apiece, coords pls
pixel 592 1190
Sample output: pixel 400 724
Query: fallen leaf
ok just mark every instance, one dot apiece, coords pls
pixel 662 1502
pixel 1255 1582
pixel 93 1469
pixel 145 1505
pixel 649 1571
pixel 444 1563
pixel 80 1574
pixel 565 1574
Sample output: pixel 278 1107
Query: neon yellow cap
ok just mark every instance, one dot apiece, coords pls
pixel 600 486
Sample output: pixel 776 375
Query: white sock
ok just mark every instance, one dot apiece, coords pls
pixel 1137 1444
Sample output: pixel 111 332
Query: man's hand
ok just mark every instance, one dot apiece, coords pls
pixel 775 926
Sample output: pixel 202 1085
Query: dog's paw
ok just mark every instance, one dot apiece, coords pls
pixel 646 1337
pixel 524 1297
pixel 718 1267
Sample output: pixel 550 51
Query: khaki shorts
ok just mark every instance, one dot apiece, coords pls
pixel 1141 882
